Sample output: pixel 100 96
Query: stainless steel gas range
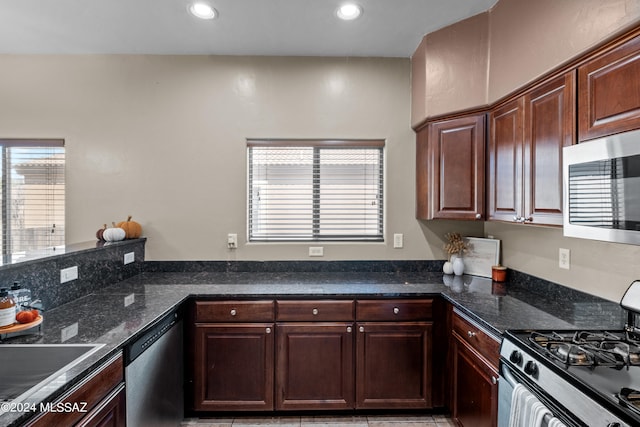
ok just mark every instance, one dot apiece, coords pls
pixel 571 377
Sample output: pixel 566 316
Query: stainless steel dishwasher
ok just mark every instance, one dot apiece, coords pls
pixel 154 375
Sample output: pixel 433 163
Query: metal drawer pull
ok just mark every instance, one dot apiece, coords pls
pixel 361 329
pixel 314 311
pixel 471 334
pixel 396 310
pixel 268 330
pixel 478 216
pixel 349 329
pixel 233 312
pixel 494 380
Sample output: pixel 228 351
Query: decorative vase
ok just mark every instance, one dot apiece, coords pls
pixel 458 266
pixel 447 268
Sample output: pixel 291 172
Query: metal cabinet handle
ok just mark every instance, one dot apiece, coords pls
pixel 361 329
pixel 494 380
pixel 314 311
pixel 233 312
pixel 478 216
pixel 268 330
pixel 516 219
pixel 396 310
pixel 529 219
pixel 471 334
pixel 349 329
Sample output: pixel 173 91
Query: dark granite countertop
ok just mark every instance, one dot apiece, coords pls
pixel 102 316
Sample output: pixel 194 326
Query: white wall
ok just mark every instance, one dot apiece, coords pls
pixel 163 138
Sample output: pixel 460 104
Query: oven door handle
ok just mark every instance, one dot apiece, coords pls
pixel 506 374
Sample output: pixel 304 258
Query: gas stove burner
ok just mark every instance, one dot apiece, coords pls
pixel 585 348
pixel 628 352
pixel 570 353
pixel 630 398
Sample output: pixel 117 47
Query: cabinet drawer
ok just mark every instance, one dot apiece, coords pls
pixel 394 310
pixel 234 311
pixel 92 390
pixel 485 344
pixel 312 311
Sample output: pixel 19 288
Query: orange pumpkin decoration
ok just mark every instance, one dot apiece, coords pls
pixel 132 229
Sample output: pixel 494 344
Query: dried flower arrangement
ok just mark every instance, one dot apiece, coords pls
pixel 456 244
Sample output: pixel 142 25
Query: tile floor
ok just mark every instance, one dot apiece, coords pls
pixel 426 420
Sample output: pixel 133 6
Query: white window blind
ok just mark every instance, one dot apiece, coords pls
pixel 33 195
pixel 316 190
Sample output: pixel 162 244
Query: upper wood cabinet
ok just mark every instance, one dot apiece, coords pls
pixel 525 153
pixel 609 92
pixel 450 164
pixel 505 161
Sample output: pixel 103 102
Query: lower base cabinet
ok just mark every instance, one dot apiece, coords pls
pixel 311 355
pixel 102 392
pixel 314 366
pixel 474 382
pixel 394 368
pixel 233 367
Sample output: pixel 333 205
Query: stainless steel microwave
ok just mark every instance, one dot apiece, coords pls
pixel 601 184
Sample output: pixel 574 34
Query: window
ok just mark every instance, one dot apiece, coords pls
pixel 32 193
pixel 316 190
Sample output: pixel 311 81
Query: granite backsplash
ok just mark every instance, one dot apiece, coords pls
pixel 99 264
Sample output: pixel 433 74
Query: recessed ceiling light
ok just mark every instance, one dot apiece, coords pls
pixel 349 11
pixel 202 10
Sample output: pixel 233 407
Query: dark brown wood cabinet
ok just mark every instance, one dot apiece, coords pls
pixel 393 365
pixel 505 161
pixel 104 395
pixel 314 366
pixel 234 367
pixel 609 92
pixel 111 412
pixel 393 354
pixel 527 136
pixel 233 356
pixel 474 384
pixel 311 355
pixel 314 355
pixel 450 160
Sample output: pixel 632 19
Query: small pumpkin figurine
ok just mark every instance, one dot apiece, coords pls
pixel 113 234
pixel 132 229
pixel 100 233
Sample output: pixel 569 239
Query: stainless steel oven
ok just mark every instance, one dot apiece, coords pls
pixel 573 378
pixel 601 186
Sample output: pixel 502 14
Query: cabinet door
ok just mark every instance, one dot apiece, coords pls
pixel 314 366
pixel 505 162
pixel 393 365
pixel 458 152
pixel 549 126
pixel 475 389
pixel 110 413
pixel 233 367
pixel 609 92
pixel 423 175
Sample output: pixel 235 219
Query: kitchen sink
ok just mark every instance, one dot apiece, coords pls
pixel 26 368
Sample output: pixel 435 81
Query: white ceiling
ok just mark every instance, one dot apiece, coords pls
pixel 389 28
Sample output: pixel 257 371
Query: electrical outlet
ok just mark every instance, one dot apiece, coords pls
pixel 69 332
pixel 398 241
pixel 232 241
pixel 564 258
pixel 316 251
pixel 129 299
pixel 129 257
pixel 68 274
